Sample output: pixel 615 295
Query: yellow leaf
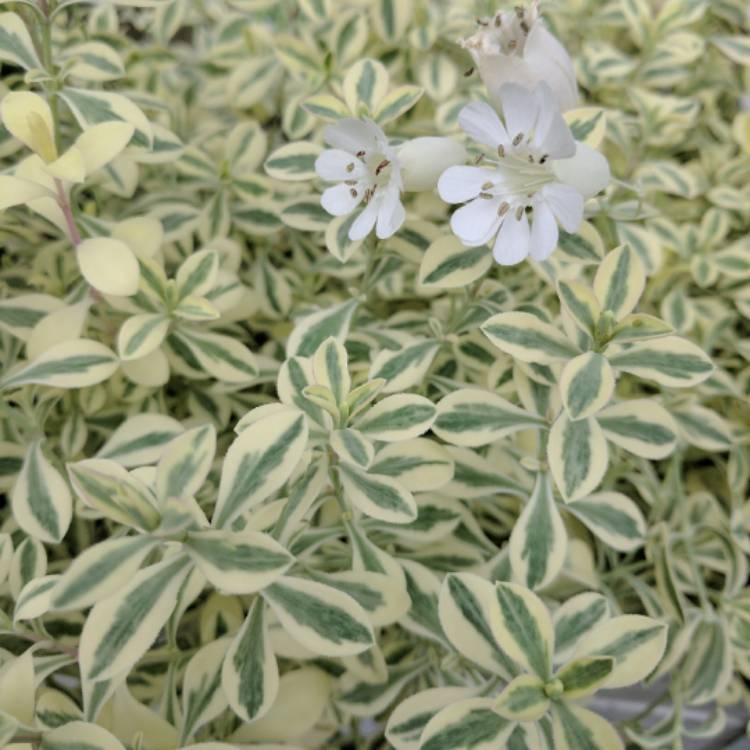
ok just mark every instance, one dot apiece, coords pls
pixel 28 117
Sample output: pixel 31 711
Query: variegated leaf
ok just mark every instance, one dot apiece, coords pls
pixel 100 571
pixel 538 542
pixel 619 281
pixel 41 501
pixel 238 562
pixel 71 364
pixel 669 360
pixel 525 628
pixel 469 613
pixel 527 338
pixel 612 517
pixel 578 456
pixel 258 462
pixel 378 496
pixel 471 417
pixel 399 417
pixel 121 628
pixel 184 465
pixel 319 617
pixel 635 642
pixel 467 725
pixel 586 385
pixel 249 675
pixel 523 699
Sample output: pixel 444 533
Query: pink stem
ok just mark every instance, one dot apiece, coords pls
pixel 74 234
pixel 64 203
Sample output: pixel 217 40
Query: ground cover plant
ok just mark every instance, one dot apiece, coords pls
pixel 374 373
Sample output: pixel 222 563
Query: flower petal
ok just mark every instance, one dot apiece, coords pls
pixel 544 232
pixel 333 165
pixel 566 204
pixel 588 171
pixel 364 223
pixel 391 213
pixel 459 184
pixel 339 201
pixel 354 135
pixel 548 61
pixel 496 70
pixel 481 123
pixel 422 160
pixel 520 109
pixel 513 240
pixel 476 222
pixel 552 135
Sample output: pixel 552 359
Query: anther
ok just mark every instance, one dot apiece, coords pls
pixel 486 185
pixel 531 159
pixel 350 167
pixel 512 44
pixel 503 209
pixel 519 213
pixel 518 139
pixel 360 154
pixel 501 151
pixel 353 193
pixel 350 182
pixel 544 158
pixel 468 72
pixel 479 159
pixel 520 11
pixel 482 22
pixel 498 20
pixel 383 164
pixel 486 196
pixel 524 27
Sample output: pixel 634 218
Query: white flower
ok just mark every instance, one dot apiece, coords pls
pixel 539 172
pixel 371 170
pixel 516 47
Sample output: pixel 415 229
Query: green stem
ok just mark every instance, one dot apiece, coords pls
pixel 49 643
pixel 27 737
pixel 47 60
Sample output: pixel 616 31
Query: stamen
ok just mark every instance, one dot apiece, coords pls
pixel 519 213
pixel 520 11
pixel 383 164
pixel 482 22
pixel 353 193
pixel 479 159
pixel 503 209
pixel 486 196
pixel 486 185
pixel 498 20
pixel 544 158
pixel 524 27
pixel 468 72
pixel 501 151
pixel 350 167
pixel 360 154
pixel 518 139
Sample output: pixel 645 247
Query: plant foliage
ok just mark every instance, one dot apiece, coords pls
pixel 374 373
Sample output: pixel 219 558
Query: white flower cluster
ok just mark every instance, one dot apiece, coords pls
pixel 530 174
